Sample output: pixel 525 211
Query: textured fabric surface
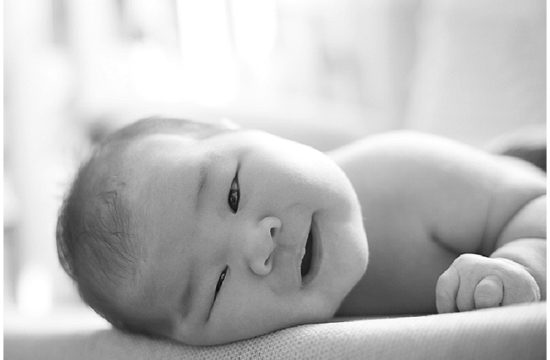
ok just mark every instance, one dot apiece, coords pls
pixel 515 332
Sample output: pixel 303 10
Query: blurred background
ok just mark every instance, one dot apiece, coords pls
pixel 323 72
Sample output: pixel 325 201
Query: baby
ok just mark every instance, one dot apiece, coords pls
pixel 208 234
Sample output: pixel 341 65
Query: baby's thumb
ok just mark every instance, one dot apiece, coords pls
pixel 489 292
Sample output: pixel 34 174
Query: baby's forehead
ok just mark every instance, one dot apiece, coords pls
pixel 128 168
pixel 154 151
pixel 193 136
pixel 143 162
pixel 174 145
pixel 159 166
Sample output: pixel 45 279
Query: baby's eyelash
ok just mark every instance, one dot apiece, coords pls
pixel 219 284
pixel 234 194
pixel 220 281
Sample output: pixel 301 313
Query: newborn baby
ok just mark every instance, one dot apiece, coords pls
pixel 208 234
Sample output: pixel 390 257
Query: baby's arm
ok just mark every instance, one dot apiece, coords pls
pixel 513 273
pixel 428 201
pixel 509 264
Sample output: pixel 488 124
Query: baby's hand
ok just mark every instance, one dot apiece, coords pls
pixel 476 282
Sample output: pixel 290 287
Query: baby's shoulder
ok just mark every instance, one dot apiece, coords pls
pixel 393 150
pixel 408 151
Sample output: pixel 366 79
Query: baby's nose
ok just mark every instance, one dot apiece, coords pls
pixel 261 245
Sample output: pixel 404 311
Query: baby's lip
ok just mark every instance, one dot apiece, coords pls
pixel 315 255
pixel 305 264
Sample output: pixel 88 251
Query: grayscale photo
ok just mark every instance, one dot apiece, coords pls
pixel 274 179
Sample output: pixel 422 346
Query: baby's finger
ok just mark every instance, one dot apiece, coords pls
pixel 465 295
pixel 517 292
pixel 489 292
pixel 446 291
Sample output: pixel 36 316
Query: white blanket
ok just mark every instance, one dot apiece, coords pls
pixel 515 332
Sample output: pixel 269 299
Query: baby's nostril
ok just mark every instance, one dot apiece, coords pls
pixel 266 262
pixel 272 232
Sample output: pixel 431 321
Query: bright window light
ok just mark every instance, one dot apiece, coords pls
pixel 34 291
pixel 255 30
pixel 154 73
pixel 210 74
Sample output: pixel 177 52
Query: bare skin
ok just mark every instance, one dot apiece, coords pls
pixel 449 228
pixel 224 224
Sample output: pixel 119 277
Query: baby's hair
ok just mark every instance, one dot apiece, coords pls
pixel 95 244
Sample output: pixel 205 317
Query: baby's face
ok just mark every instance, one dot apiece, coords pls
pixel 224 223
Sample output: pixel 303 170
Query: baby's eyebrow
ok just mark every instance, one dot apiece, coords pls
pixel 203 172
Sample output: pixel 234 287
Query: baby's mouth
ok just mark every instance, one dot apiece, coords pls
pixel 311 261
pixel 306 260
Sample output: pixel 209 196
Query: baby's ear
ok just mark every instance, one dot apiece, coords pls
pixel 228 124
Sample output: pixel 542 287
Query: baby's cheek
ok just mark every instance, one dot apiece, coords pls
pixel 345 256
pixel 247 321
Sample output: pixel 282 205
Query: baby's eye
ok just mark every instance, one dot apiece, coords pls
pixel 220 281
pixel 234 194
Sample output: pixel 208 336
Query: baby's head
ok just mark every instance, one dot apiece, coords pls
pixel 207 234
